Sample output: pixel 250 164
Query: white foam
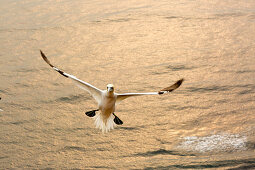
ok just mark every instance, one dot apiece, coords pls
pixel 214 143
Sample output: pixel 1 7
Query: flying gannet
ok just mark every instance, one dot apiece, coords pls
pixel 107 99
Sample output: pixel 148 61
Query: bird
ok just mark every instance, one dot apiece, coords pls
pixel 107 99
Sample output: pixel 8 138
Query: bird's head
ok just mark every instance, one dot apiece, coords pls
pixel 110 88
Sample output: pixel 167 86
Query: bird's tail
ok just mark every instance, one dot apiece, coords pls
pixel 104 123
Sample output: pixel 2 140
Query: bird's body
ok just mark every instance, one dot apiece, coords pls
pixel 107 104
pixel 107 99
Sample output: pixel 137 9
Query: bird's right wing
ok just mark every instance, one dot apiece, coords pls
pixel 95 92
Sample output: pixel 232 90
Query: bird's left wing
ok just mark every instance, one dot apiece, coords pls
pixel 95 92
pixel 171 88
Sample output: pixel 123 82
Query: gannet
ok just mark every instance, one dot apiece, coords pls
pixel 107 99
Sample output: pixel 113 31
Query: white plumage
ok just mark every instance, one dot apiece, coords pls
pixel 107 99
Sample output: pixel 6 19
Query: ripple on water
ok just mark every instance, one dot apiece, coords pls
pixel 74 148
pixel 162 152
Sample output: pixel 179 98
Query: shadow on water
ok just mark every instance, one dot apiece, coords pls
pixel 162 152
pixel 245 163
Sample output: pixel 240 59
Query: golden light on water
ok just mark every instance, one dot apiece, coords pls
pixel 139 47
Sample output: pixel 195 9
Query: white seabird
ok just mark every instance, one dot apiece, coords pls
pixel 107 99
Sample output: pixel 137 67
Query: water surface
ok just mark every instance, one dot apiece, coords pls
pixel 139 46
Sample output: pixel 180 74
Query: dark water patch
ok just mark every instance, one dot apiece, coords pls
pixel 74 148
pixel 10 142
pixel 39 28
pixel 244 167
pixel 245 71
pixel 76 129
pixel 128 128
pixel 252 18
pixel 172 17
pixel 26 70
pixel 2 91
pixel 189 18
pixel 19 122
pixel 18 106
pixel 73 98
pixel 243 92
pixel 222 101
pixel 162 152
pixel 3 157
pixel 246 89
pixel 179 67
pixel 99 167
pixel 250 145
pixel 179 107
pixel 120 20
pixel 102 149
pixel 208 89
pixel 214 164
pixel 243 88
pixel 21 85
pixel 159 72
pixel 96 21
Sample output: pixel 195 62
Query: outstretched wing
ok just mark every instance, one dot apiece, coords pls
pixel 171 88
pixel 95 92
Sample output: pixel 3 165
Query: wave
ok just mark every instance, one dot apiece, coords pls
pixel 214 143
pixel 162 152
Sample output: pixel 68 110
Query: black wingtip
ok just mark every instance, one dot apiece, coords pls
pixel 172 87
pixel 42 54
pixel 179 82
pixel 45 58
